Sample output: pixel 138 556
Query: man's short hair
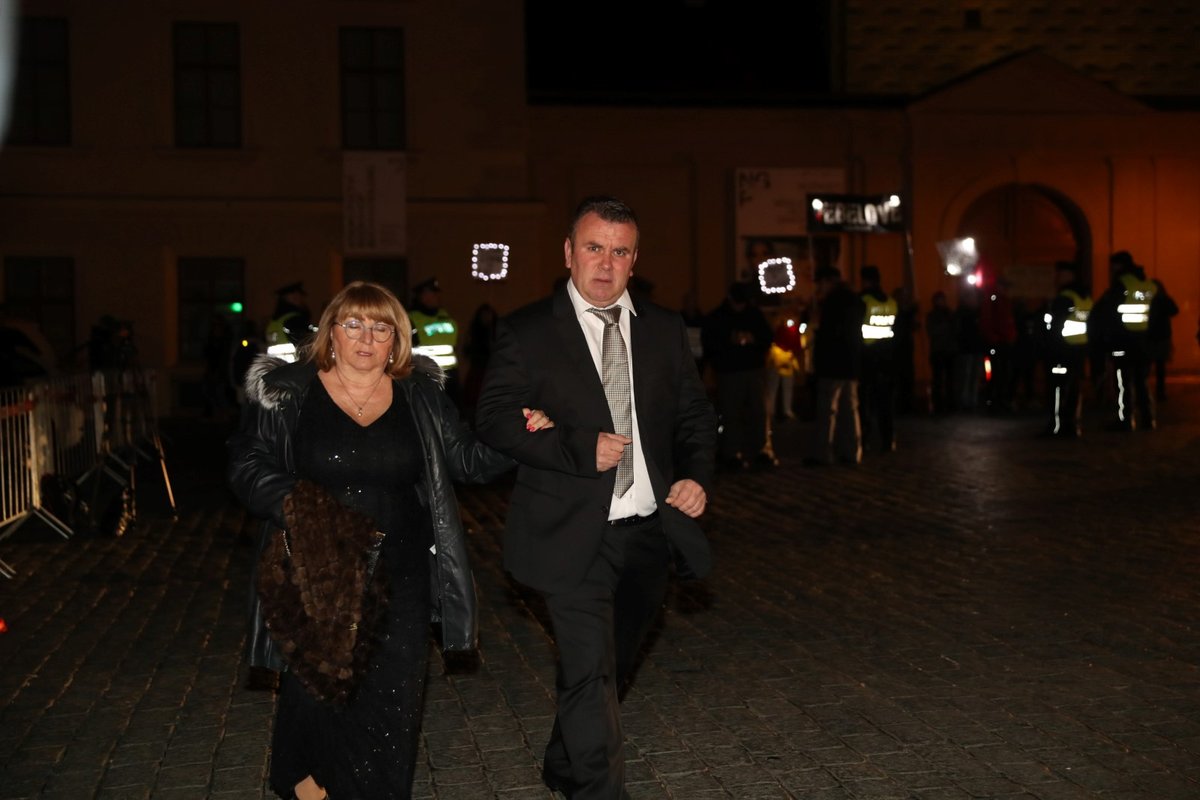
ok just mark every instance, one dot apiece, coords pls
pixel 608 208
pixel 869 274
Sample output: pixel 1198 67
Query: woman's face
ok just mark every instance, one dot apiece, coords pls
pixel 357 346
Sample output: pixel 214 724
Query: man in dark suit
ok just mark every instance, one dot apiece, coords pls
pixel 607 499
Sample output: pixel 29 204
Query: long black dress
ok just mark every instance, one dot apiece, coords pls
pixel 368 748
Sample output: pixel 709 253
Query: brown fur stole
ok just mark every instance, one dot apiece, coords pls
pixel 323 602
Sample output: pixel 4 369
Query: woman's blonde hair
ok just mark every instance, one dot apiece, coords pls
pixel 363 300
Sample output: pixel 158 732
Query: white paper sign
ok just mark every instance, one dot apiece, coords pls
pixel 374 199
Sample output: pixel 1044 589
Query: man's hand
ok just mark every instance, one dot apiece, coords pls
pixel 609 447
pixel 687 496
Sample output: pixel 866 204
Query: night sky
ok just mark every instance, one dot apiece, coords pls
pixel 685 52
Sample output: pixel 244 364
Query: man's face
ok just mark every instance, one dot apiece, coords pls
pixel 601 258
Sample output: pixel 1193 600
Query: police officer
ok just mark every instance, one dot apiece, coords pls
pixel 1067 333
pixel 878 388
pixel 291 323
pixel 435 333
pixel 1129 301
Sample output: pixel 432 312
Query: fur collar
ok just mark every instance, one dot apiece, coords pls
pixel 271 380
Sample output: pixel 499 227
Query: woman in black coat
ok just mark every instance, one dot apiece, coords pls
pixel 357 437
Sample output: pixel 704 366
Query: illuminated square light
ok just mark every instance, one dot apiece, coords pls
pixel 775 276
pixel 489 261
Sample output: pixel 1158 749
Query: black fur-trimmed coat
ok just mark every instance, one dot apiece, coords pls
pixel 262 473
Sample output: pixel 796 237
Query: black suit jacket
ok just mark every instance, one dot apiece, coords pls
pixel 560 503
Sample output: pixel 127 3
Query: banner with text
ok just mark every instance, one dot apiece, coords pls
pixel 855 213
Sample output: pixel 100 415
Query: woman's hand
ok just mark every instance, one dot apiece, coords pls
pixel 536 420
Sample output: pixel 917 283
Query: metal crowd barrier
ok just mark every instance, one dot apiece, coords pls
pixel 61 438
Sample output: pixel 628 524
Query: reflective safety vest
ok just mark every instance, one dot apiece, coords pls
pixel 279 342
pixel 436 336
pixel 1074 328
pixel 1135 305
pixel 879 319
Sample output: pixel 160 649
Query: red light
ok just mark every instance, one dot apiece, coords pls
pixel 987 369
pixel 3 626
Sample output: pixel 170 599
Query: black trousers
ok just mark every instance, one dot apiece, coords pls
pixel 1135 405
pixel 877 400
pixel 599 627
pixel 1066 380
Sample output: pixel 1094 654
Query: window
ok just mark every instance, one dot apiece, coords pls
pixel 41 291
pixel 389 272
pixel 42 100
pixel 208 91
pixel 372 63
pixel 208 287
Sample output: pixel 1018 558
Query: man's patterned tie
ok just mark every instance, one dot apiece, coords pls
pixel 614 364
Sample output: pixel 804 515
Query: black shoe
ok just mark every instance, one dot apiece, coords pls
pixel 558 783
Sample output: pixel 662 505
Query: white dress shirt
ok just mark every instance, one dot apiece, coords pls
pixel 639 500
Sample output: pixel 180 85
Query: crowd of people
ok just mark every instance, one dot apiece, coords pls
pixel 856 350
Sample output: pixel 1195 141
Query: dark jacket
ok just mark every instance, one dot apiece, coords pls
pixel 942 332
pixel 736 339
pixel 838 343
pixel 556 518
pixel 262 473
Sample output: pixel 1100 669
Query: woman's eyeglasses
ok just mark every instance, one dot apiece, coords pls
pixel 357 330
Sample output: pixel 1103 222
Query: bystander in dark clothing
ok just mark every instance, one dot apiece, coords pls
pixel 1158 337
pixel 736 337
pixel 837 365
pixel 908 322
pixel 693 320
pixel 1028 352
pixel 968 365
pixel 940 327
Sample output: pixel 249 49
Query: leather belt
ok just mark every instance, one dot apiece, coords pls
pixel 625 522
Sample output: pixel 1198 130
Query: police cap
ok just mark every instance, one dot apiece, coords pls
pixel 298 286
pixel 430 284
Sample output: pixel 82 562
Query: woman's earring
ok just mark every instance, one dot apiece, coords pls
pixel 391 357
pixel 332 354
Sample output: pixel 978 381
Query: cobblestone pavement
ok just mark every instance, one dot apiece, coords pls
pixel 979 614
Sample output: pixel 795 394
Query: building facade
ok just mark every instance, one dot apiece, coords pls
pixel 174 159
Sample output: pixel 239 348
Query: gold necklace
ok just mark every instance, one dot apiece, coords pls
pixel 355 403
